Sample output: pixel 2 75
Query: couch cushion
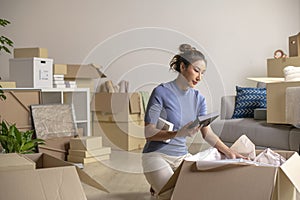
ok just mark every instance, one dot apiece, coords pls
pixel 247 99
pixel 295 139
pixel 258 131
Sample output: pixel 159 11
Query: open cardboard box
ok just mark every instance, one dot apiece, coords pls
pixel 237 181
pixel 275 66
pixel 84 75
pixel 52 179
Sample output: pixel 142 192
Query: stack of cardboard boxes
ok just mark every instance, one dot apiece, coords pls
pixel 84 76
pixel 276 84
pixel 119 119
pixel 31 68
pixel 59 71
pixel 87 149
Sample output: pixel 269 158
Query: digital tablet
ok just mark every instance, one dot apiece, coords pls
pixel 204 120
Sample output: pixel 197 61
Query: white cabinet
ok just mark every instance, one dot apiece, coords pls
pixel 79 97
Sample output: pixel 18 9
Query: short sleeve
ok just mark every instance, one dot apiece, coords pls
pixel 154 106
pixel 202 106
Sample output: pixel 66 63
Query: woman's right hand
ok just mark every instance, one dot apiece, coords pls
pixel 186 131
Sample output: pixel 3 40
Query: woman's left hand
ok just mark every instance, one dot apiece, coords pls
pixel 229 153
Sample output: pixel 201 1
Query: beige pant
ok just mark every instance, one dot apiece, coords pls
pixel 158 168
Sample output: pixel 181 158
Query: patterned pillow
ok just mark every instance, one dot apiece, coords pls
pixel 247 99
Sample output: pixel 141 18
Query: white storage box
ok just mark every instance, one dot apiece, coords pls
pixel 31 72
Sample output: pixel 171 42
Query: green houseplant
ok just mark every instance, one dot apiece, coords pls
pixel 2 96
pixel 14 141
pixel 5 43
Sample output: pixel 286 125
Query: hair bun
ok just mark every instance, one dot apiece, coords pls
pixel 186 48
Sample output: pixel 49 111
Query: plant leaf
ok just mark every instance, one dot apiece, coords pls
pixel 28 147
pixel 4 22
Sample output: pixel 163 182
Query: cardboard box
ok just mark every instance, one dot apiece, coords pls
pixel 90 153
pixel 86 143
pixel 53 183
pixel 75 71
pixel 84 75
pixel 7 84
pixel 43 160
pixel 30 52
pixel 59 69
pixel 31 72
pixel 276 98
pixel 294 45
pixel 57 147
pixel 117 107
pixel 78 159
pixel 53 179
pixel 275 66
pixel 20 100
pixel 237 181
pixel 276 101
pixel 89 156
pixel 121 135
pixel 14 161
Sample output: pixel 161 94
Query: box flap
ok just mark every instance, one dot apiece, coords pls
pixel 135 103
pixel 43 184
pixel 83 71
pixel 291 169
pixel 48 161
pixel 14 161
pixel 172 181
pixel 266 79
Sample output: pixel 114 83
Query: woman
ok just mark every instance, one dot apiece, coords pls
pixel 179 103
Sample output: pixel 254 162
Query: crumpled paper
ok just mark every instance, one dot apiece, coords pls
pixel 245 147
pixel 270 157
pixel 206 155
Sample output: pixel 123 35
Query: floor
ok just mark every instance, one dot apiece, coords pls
pixel 122 176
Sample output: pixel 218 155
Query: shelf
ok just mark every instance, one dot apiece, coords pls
pixel 79 97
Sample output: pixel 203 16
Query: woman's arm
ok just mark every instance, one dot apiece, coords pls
pixel 211 138
pixel 154 134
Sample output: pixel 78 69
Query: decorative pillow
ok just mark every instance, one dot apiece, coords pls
pixel 247 99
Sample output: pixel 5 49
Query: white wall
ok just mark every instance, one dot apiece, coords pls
pixel 135 39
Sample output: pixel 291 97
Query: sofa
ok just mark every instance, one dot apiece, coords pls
pixel 261 133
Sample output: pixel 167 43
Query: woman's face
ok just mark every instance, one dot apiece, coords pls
pixel 194 72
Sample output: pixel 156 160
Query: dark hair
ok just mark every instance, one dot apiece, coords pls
pixel 187 55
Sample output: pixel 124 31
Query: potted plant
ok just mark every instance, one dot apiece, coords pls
pixel 14 141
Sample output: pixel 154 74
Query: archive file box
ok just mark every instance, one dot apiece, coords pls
pixel 31 72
